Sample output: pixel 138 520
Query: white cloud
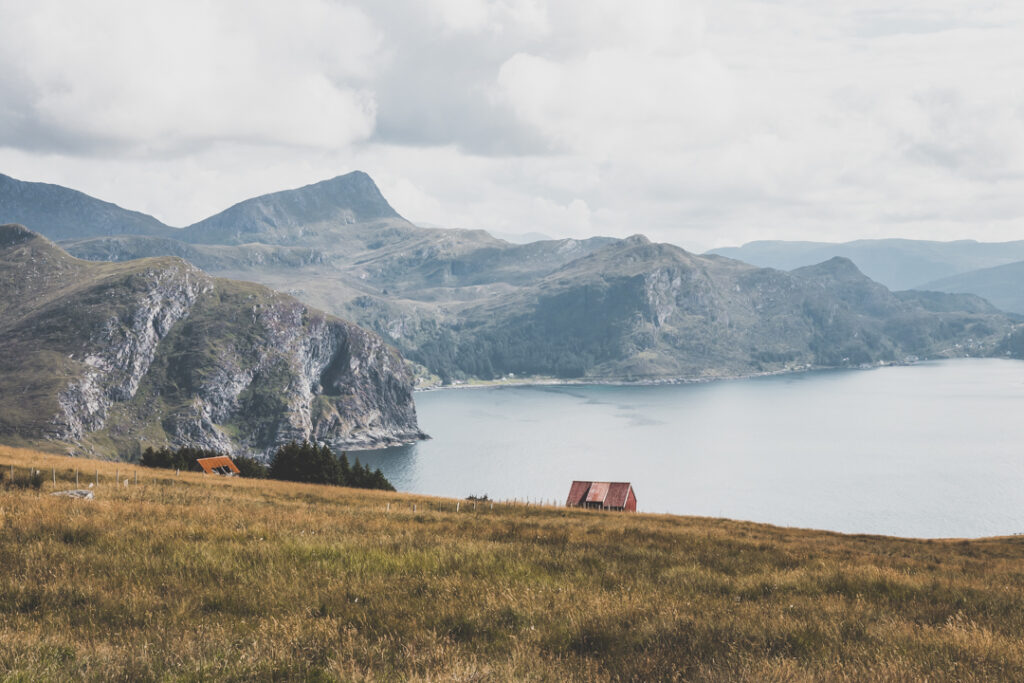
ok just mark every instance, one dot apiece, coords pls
pixel 693 122
pixel 162 76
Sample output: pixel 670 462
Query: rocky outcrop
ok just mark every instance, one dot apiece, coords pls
pixel 113 357
pixel 122 347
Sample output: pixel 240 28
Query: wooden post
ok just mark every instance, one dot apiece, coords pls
pixel 136 477
pixel 388 508
pixel 414 507
pixel 117 475
pixel 53 473
pixel 457 503
pixel 97 476
pixel 76 477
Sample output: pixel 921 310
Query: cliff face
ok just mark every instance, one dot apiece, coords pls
pixel 113 357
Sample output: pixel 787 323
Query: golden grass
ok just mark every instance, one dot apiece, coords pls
pixel 196 577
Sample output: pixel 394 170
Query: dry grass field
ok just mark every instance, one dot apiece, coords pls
pixel 203 578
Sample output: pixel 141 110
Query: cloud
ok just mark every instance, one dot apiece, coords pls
pixel 693 122
pixel 161 77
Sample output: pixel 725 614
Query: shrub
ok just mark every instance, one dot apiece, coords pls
pixel 181 459
pixel 251 468
pixel 307 462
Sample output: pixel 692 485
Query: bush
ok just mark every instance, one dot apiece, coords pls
pixel 251 468
pixel 180 459
pixel 312 464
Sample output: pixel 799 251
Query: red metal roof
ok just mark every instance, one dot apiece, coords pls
pixel 577 492
pixel 617 494
pixel 609 494
pixel 598 492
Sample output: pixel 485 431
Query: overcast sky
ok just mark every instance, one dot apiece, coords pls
pixel 699 123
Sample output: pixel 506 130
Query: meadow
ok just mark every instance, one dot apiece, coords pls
pixel 192 577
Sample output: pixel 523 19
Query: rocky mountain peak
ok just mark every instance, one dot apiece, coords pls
pixel 636 240
pixel 286 216
pixel 836 268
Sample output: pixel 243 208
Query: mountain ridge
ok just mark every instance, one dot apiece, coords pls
pixel 897 263
pixel 106 357
pixel 467 305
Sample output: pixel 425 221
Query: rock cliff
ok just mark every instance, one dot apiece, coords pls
pixel 111 357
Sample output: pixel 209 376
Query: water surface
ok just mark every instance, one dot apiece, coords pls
pixel 934 449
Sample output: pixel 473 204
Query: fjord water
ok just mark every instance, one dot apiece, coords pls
pixel 934 449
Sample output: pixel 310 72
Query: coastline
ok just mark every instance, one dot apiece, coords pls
pixel 540 381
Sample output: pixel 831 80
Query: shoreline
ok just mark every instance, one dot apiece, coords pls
pixel 535 381
pixel 666 381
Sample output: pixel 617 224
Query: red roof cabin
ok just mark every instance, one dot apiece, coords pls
pixel 220 464
pixel 602 495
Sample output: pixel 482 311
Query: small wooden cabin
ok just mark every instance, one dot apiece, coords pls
pixel 219 465
pixel 602 495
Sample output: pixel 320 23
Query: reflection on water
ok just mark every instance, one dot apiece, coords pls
pixel 927 450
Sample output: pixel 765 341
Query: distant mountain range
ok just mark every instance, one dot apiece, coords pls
pixel 993 270
pixel 110 357
pixel 464 304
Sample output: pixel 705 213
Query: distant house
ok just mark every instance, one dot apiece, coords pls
pixel 602 495
pixel 219 465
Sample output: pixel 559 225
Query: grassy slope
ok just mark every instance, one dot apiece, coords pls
pixel 196 577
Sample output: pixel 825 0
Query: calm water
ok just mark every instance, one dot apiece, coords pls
pixel 933 450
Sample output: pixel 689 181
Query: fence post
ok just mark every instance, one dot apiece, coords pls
pixel 53 473
pixel 117 475
pixel 136 477
pixel 457 503
pixel 388 508
pixel 76 477
pixel 97 476
pixel 414 507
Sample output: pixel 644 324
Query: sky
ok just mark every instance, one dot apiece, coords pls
pixel 699 123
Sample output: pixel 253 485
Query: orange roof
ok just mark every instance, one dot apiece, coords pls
pixel 210 465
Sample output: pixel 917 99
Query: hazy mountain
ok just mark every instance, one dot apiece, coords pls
pixel 61 213
pixel 896 263
pixel 522 237
pixel 301 215
pixel 465 304
pixel 633 310
pixel 1002 285
pixel 108 356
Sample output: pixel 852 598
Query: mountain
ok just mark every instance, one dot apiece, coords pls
pixel 896 263
pixel 111 357
pixel 467 305
pixel 634 310
pixel 305 214
pixel 61 213
pixel 1002 285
